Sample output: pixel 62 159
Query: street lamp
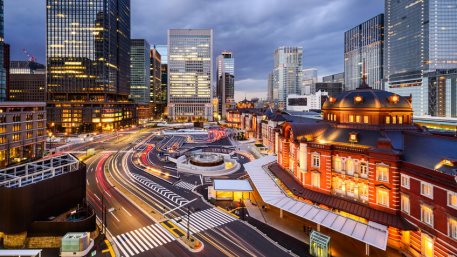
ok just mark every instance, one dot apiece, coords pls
pixel 104 223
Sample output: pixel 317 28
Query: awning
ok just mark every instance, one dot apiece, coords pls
pixel 230 185
pixel 31 253
pixel 373 234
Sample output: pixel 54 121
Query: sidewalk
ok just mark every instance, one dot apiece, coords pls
pixel 341 246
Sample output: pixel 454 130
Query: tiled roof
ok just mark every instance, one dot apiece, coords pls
pixel 338 203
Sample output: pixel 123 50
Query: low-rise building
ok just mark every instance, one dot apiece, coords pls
pixel 22 131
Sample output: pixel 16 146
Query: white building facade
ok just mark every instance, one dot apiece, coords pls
pixel 306 103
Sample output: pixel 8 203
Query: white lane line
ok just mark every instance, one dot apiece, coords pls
pixel 97 197
pixel 127 212
pixel 119 245
pixel 96 179
pixel 115 217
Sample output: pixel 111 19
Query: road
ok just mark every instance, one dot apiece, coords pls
pixel 135 230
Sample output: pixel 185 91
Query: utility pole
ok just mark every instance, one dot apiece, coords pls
pixel 104 222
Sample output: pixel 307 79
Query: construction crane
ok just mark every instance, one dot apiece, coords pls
pixel 30 57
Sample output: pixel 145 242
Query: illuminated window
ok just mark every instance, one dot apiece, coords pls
pixel 382 173
pixel 315 179
pixel 405 181
pixel 365 119
pixel 382 197
pixel 400 119
pixel 364 169
pixel 316 160
pixel 427 190
pixel 350 166
pixel 351 118
pixel 387 119
pixel 337 164
pixel 427 215
pixel 452 227
pixel 394 119
pixel 405 205
pixel 2 155
pixel 16 137
pixel 426 245
pixel 358 118
pixel 452 199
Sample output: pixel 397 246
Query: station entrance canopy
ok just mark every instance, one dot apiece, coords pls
pixel 373 234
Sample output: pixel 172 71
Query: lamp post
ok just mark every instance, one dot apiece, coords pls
pixel 104 223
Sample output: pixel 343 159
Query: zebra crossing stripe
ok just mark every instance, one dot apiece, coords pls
pixel 143 236
pixel 142 242
pixel 149 236
pixel 128 235
pixel 166 233
pixel 127 242
pixel 156 235
pixel 204 220
pixel 119 245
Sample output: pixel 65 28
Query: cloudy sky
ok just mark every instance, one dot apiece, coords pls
pixel 252 29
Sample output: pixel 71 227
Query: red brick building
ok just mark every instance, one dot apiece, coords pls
pixel 368 161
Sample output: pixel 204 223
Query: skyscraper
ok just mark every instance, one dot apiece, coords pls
pixel 308 80
pixel 139 71
pixel 2 68
pixel 287 76
pixel 225 81
pixel 158 87
pixel 88 63
pixel 27 82
pixel 190 55
pixel 420 39
pixel 363 45
pixel 163 51
pixel 334 78
pixel 270 87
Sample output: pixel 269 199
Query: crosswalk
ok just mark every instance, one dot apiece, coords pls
pixel 172 196
pixel 204 220
pixel 142 239
pixel 186 185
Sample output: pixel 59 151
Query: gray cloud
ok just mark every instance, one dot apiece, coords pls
pixel 252 29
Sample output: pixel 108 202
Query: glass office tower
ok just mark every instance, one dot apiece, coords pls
pixel 225 64
pixel 308 80
pixel 363 46
pixel 421 38
pixel 287 73
pixel 88 62
pixel 140 85
pixel 190 54
pixel 2 68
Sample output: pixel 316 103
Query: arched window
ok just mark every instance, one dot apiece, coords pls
pixel 337 164
pixel 364 169
pixel 350 166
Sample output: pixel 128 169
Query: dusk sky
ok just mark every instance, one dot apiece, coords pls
pixel 252 29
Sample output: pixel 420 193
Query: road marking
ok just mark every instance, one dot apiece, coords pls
pixel 127 212
pixel 115 217
pixel 97 197
pixel 96 179
pixel 203 220
pixel 142 239
pixel 185 185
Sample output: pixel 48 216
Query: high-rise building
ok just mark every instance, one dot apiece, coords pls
pixel 420 39
pixel 363 46
pixel 160 108
pixel 163 50
pixel 88 65
pixel 309 78
pixel 2 68
pixel 225 81
pixel 27 81
pixel 334 78
pixel 190 54
pixel 158 97
pixel 332 88
pixel 139 71
pixel 287 76
pixel 270 87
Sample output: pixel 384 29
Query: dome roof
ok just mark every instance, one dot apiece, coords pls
pixel 367 98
